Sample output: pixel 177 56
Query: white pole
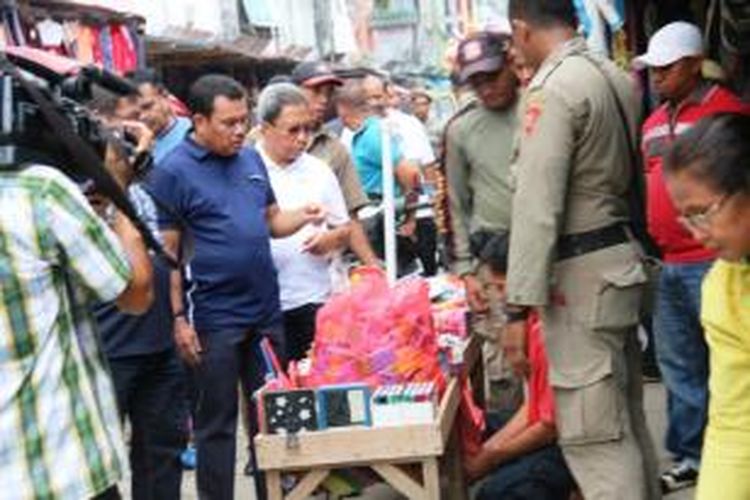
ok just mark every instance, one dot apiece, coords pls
pixel 389 212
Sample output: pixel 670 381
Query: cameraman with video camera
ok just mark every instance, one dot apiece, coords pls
pixel 60 435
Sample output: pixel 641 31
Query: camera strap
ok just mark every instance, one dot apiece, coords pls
pixel 88 163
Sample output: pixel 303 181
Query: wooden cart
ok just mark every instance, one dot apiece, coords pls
pixel 314 455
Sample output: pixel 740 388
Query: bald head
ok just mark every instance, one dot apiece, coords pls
pixel 352 104
pixel 375 91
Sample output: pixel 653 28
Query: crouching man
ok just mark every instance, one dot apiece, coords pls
pixel 520 458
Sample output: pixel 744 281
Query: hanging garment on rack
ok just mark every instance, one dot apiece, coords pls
pixel 139 43
pixel 85 40
pixel 105 44
pixel 124 51
pixel 96 46
pixel 13 24
pixel 51 36
pixel 595 17
pixel 70 37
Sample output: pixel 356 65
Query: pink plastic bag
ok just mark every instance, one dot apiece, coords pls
pixel 377 335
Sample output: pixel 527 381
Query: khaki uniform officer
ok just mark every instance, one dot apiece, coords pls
pixel 479 146
pixel 572 255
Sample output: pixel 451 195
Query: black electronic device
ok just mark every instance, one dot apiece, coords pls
pixel 44 120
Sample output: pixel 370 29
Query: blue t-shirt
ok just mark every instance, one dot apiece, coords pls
pixel 367 151
pixel 125 334
pixel 128 335
pixel 169 138
pixel 231 280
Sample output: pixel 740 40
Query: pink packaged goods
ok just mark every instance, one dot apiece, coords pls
pixel 376 334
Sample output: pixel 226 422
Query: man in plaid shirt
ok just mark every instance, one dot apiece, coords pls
pixel 60 433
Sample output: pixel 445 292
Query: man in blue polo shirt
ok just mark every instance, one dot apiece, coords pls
pixel 219 190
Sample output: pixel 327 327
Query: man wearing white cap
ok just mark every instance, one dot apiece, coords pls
pixel 675 57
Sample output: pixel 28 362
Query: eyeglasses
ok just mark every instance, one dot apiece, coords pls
pixel 702 220
pixel 237 124
pixel 296 130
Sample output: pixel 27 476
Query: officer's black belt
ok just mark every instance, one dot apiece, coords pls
pixel 574 245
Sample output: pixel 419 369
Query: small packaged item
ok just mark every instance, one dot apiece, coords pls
pixel 404 404
pixel 344 405
pixel 290 412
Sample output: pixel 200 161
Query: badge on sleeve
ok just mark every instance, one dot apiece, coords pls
pixel 534 107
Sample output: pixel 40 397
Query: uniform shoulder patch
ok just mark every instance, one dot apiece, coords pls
pixel 534 108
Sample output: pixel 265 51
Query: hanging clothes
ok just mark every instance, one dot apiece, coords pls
pixel 9 16
pixel 70 37
pixel 139 43
pixel 105 46
pixel 86 39
pixel 96 45
pixel 596 17
pixel 51 36
pixel 124 51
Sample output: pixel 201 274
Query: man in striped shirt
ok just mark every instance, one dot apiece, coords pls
pixel 60 434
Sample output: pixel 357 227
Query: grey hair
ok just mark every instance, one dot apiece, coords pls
pixel 274 98
pixel 352 93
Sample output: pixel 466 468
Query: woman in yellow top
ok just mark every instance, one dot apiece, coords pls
pixel 708 174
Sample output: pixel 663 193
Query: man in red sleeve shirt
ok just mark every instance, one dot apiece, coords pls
pixel 520 458
pixel 675 57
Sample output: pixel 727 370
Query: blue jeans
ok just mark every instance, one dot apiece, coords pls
pixel 540 475
pixel 682 354
pixel 150 389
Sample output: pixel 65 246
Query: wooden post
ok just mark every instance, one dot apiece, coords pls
pixel 273 484
pixel 431 479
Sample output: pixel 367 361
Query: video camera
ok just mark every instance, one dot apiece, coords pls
pixel 44 120
pixel 25 134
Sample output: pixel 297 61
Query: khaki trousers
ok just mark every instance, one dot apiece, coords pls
pixel 590 329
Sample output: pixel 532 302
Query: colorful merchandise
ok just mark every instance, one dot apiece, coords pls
pixel 376 335
pixel 290 412
pixel 343 405
pixel 404 404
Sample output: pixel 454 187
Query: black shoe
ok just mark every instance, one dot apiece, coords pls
pixel 678 477
pixel 651 373
pixel 249 468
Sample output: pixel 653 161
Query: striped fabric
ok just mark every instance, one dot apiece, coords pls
pixel 60 434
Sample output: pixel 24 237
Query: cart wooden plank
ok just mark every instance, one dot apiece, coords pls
pixel 349 446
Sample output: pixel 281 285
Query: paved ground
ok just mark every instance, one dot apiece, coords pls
pixel 655 409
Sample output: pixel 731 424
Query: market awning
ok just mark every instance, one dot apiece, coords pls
pixel 180 46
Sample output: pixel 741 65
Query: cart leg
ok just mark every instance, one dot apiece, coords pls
pixel 273 485
pixel 431 479
pixel 455 469
pixel 307 484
